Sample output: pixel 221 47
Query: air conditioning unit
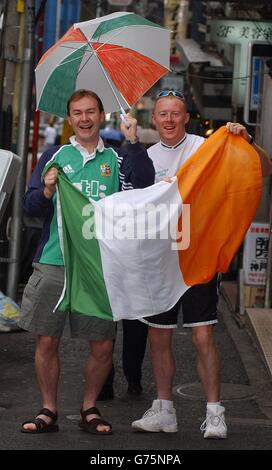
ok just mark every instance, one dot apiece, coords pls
pixel 9 169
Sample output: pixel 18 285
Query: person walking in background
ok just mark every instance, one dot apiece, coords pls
pixel 133 352
pixel 134 345
pixel 50 135
pixel 199 303
pixel 84 161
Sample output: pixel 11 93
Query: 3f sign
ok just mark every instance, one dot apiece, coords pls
pixel 258 53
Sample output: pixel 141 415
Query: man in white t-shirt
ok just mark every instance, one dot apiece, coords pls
pixel 167 159
pixel 199 303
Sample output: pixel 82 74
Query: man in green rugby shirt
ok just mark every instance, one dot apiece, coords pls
pixel 97 171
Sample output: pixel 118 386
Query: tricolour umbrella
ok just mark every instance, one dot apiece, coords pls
pixel 118 56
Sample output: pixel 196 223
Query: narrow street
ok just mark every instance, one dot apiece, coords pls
pixel 246 394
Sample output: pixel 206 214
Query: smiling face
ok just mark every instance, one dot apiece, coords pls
pixel 85 118
pixel 170 117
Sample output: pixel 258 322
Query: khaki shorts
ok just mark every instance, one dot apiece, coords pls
pixel 40 297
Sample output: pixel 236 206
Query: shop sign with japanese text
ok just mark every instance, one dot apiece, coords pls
pixel 255 254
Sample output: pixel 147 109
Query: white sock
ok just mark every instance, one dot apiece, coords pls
pixel 212 406
pixel 166 404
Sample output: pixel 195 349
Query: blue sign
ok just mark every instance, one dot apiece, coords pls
pixel 256 71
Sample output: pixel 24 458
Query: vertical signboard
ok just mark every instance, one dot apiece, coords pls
pixel 255 254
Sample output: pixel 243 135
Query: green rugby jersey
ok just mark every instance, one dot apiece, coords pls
pixel 104 172
pixel 98 177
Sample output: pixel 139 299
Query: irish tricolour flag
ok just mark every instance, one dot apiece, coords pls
pixel 135 253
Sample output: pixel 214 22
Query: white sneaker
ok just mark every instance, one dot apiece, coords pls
pixel 214 426
pixel 157 419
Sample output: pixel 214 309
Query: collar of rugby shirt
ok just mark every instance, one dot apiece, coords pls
pixel 84 152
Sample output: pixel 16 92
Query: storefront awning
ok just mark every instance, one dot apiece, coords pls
pixel 190 52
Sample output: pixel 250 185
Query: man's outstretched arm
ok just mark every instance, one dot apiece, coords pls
pixel 239 129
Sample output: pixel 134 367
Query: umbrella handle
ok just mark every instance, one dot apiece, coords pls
pixel 123 116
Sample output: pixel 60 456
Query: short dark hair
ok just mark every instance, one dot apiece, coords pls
pixel 77 95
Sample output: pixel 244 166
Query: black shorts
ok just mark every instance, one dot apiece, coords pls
pixel 199 307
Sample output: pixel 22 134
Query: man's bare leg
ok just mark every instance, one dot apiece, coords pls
pixel 47 372
pixel 162 416
pixel 163 361
pixel 97 369
pixel 208 362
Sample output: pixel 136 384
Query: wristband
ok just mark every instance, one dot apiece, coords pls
pixel 133 141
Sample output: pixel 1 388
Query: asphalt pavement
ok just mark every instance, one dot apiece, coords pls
pixel 246 395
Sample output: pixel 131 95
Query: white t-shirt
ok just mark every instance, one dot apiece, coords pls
pixel 168 160
pixel 50 135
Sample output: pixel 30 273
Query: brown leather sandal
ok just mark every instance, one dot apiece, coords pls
pixel 91 426
pixel 41 425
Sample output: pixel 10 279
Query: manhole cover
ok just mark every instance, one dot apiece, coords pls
pixel 228 391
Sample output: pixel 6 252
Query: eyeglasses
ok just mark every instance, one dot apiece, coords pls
pixel 165 93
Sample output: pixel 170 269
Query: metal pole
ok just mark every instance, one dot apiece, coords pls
pixel 58 18
pixel 241 291
pixel 22 150
pixel 36 124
